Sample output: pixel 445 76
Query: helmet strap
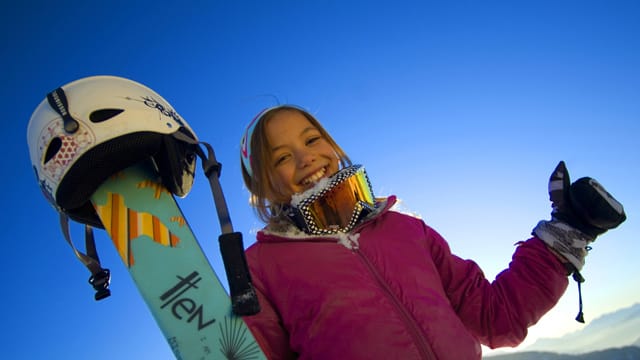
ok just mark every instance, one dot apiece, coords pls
pixel 100 277
pixel 57 99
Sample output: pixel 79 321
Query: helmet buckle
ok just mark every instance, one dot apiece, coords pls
pixel 100 282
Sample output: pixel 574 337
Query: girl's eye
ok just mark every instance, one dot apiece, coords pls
pixel 312 140
pixel 280 159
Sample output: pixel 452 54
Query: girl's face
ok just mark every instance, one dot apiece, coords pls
pixel 300 155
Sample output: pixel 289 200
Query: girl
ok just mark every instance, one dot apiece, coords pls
pixel 341 276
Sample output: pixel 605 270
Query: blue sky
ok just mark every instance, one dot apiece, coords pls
pixel 461 109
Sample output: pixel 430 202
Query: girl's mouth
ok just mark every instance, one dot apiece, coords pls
pixel 315 177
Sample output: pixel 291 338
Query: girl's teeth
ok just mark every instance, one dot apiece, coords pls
pixel 315 177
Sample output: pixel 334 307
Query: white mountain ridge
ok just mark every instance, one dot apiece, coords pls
pixel 617 329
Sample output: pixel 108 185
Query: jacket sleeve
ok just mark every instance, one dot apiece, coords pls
pixel 267 327
pixel 499 313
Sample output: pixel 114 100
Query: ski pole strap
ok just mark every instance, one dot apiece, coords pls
pixel 100 277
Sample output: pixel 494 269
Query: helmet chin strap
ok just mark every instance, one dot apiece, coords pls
pixel 100 277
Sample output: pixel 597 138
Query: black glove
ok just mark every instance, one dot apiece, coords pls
pixel 581 211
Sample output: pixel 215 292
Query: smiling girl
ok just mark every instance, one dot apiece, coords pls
pixel 339 275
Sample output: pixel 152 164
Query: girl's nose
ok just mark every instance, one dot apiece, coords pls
pixel 305 158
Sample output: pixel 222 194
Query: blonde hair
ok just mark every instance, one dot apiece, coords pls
pixel 260 185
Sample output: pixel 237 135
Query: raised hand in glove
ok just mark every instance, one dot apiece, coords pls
pixel 581 211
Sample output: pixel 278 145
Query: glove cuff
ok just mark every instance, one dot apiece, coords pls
pixel 566 240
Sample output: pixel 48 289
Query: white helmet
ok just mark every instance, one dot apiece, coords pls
pixel 89 129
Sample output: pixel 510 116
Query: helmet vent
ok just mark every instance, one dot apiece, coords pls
pixel 101 115
pixel 52 149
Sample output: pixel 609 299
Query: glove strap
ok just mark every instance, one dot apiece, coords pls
pixel 579 279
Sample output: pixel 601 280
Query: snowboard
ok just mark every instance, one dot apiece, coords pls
pixel 167 264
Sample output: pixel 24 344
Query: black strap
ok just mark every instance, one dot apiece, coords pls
pixel 100 277
pixel 579 279
pixel 244 300
pixel 57 99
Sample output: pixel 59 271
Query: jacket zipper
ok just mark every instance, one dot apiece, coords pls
pixel 423 347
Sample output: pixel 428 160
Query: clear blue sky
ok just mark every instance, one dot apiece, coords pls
pixel 462 110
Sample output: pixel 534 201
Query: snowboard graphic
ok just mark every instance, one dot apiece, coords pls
pixel 170 270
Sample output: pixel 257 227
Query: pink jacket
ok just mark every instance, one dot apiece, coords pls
pixel 399 293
